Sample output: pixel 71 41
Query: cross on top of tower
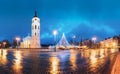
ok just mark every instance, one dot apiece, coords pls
pixel 35 13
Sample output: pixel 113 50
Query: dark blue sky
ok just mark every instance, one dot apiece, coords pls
pixel 84 18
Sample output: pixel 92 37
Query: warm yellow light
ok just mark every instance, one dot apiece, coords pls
pixel 3 57
pixel 112 50
pixel 4 43
pixel 54 65
pixel 84 46
pixel 101 42
pixel 93 59
pixel 114 44
pixel 0 52
pixel 107 45
pixel 102 53
pixel 73 59
pixel 17 64
pixel 18 38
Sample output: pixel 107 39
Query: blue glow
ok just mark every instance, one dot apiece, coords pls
pixel 84 18
pixel 64 55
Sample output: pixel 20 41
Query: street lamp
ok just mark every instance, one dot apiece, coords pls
pixel 94 39
pixel 55 34
pixel 73 39
pixel 17 39
pixel 4 43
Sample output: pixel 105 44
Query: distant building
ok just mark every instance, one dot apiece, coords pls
pixel 109 43
pixel 34 40
pixel 88 43
pixel 26 42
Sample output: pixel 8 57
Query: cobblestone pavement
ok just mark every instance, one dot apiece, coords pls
pixel 92 61
pixel 116 66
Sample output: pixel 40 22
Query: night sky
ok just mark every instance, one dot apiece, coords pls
pixel 83 18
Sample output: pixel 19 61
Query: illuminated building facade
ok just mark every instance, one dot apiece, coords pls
pixel 34 40
pixel 26 42
pixel 109 43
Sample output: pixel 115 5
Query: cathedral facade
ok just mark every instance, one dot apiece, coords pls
pixel 33 41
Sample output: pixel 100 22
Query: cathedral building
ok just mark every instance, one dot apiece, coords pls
pixel 33 41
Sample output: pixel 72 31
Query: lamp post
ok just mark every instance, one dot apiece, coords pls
pixel 4 43
pixel 17 39
pixel 55 34
pixel 74 39
pixel 94 39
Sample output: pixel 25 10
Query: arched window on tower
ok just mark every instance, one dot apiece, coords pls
pixel 38 27
pixel 35 34
pixel 35 26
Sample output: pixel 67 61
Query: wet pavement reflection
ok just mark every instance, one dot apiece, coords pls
pixel 74 61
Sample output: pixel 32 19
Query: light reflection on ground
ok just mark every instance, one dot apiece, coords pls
pixel 66 61
pixel 17 67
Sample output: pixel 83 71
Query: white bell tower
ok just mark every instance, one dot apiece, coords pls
pixel 35 43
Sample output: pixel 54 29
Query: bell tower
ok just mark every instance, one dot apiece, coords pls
pixel 35 43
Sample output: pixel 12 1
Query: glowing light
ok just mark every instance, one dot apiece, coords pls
pixel 94 39
pixel 17 64
pixel 18 38
pixel 112 50
pixel 87 53
pixel 93 56
pixel 74 36
pixel 0 52
pixel 54 65
pixel 84 46
pixel 93 59
pixel 63 55
pixel 3 57
pixel 114 44
pixel 73 59
pixel 55 32
pixel 4 43
pixel 102 53
pixel 107 45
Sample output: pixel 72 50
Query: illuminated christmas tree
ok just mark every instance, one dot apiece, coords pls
pixel 63 41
